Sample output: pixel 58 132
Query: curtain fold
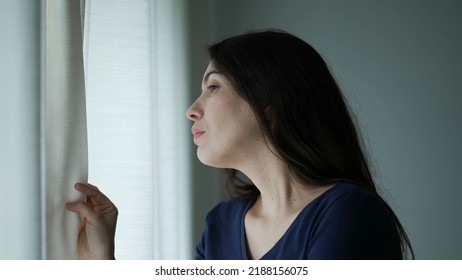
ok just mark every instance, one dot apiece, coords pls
pixel 64 134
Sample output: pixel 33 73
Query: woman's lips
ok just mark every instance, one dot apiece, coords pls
pixel 197 133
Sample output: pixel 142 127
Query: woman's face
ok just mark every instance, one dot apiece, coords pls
pixel 225 128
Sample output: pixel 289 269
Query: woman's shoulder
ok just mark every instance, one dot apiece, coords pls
pixel 350 201
pixel 348 193
pixel 350 222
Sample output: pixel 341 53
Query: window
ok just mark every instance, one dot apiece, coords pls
pixel 137 144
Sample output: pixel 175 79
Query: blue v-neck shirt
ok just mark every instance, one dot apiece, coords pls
pixel 345 222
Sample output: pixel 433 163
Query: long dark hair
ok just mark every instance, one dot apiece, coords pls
pixel 301 111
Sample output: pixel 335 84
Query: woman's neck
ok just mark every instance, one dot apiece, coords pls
pixel 280 192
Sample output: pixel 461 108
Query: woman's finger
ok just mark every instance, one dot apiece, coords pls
pixel 94 196
pixel 84 209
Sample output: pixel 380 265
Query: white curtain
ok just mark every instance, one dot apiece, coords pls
pixel 121 121
pixel 64 150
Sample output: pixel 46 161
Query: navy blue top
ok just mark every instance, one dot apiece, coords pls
pixel 345 222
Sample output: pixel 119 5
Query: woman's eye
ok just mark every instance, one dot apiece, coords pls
pixel 212 88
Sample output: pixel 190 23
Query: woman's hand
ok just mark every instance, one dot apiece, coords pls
pixel 97 228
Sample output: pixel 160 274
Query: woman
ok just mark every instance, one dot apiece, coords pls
pixel 271 110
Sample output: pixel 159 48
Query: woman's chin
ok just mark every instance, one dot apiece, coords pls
pixel 209 160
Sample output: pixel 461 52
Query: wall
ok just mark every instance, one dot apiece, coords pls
pixel 399 64
pixel 20 127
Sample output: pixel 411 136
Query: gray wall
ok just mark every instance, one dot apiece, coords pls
pixel 400 65
pixel 19 129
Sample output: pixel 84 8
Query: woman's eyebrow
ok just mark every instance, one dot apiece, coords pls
pixel 207 75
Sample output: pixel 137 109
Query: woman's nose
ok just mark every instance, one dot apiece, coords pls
pixel 194 112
